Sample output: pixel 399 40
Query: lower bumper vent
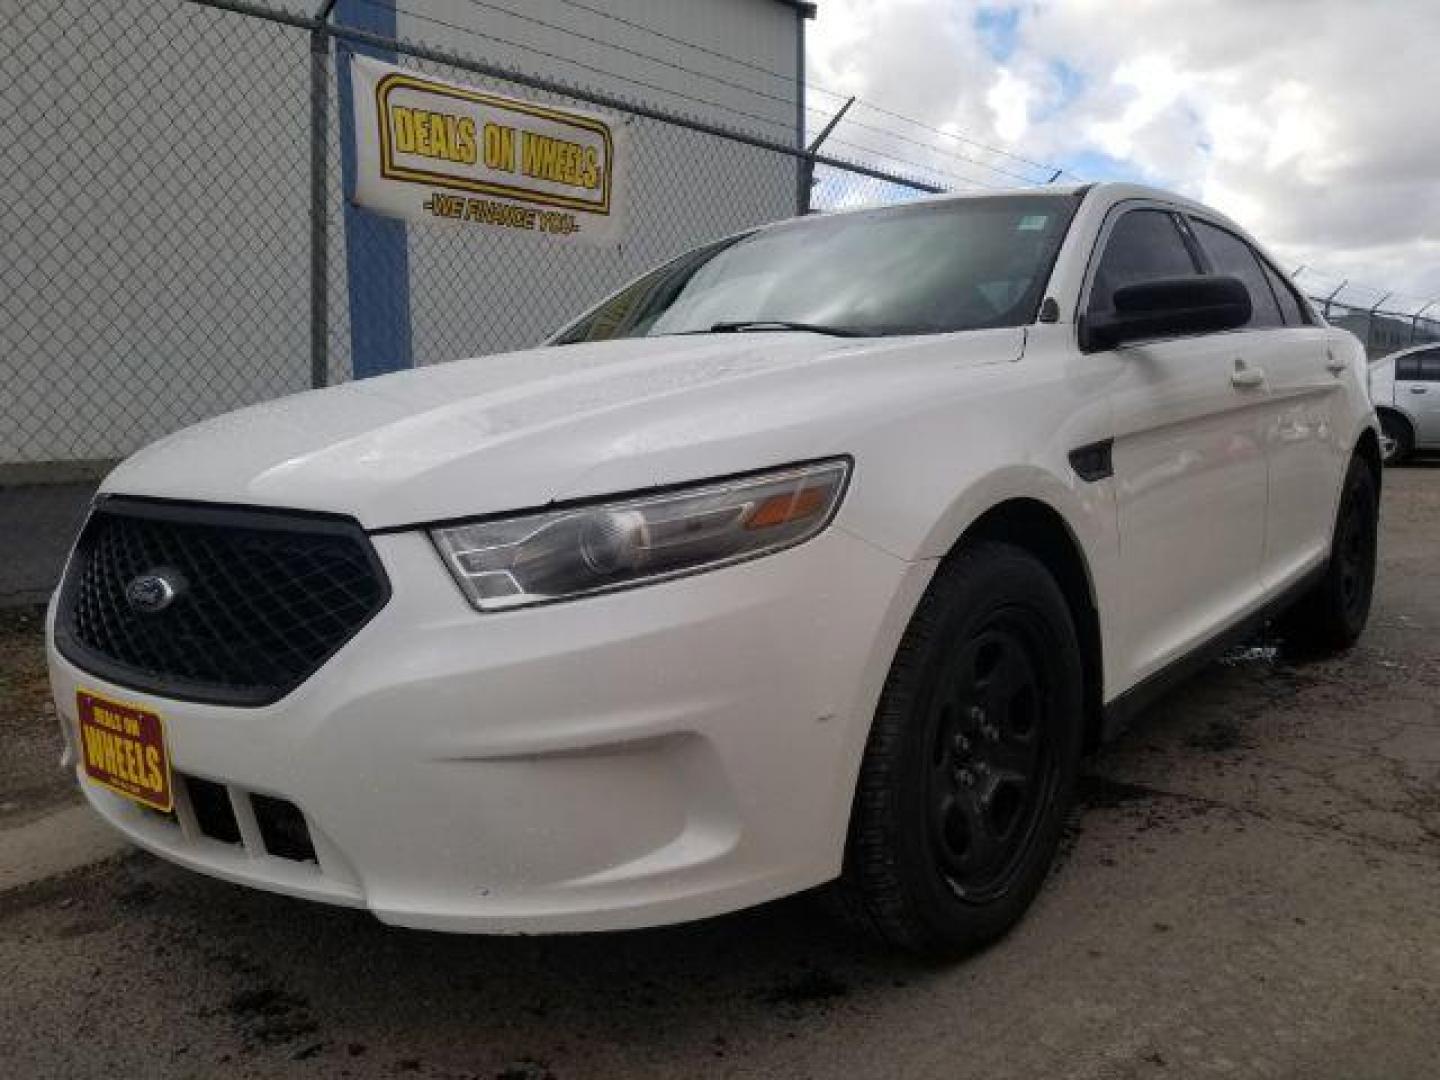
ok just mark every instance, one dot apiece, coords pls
pixel 283 828
pixel 283 831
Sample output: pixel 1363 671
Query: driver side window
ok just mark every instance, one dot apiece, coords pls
pixel 1144 245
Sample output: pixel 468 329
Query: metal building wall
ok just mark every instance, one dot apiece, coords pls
pixel 709 188
pixel 156 201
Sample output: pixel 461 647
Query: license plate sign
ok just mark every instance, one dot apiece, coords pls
pixel 123 748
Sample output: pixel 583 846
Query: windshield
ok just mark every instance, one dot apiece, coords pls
pixel 922 268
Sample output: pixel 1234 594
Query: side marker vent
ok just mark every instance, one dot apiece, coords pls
pixel 1093 462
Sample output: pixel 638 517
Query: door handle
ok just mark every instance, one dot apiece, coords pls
pixel 1334 364
pixel 1419 389
pixel 1246 378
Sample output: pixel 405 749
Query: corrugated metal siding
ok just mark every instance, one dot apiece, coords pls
pixel 684 188
pixel 177 288
pixel 600 53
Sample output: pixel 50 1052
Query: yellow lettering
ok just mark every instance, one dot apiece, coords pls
pixel 152 768
pixel 93 748
pixel 499 148
pixel 465 151
pixel 402 123
pixel 563 162
pixel 107 742
pixel 439 135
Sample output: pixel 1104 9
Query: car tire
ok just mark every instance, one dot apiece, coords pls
pixel 1332 615
pixel 1397 438
pixel 970 765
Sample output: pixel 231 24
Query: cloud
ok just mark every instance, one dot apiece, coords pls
pixel 1307 120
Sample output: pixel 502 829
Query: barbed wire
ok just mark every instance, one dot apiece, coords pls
pixel 691 72
pixel 786 126
pixel 1359 295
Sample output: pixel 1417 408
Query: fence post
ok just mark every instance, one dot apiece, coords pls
pixel 1415 319
pixel 1332 296
pixel 1370 321
pixel 319 194
pixel 807 163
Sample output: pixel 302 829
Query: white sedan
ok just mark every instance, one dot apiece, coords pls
pixel 1405 387
pixel 818 555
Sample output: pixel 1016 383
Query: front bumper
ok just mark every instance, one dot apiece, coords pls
pixel 649 756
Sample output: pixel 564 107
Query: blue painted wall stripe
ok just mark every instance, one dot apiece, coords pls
pixel 377 261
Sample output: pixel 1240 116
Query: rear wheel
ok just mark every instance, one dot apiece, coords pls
pixel 1332 615
pixel 971 760
pixel 1397 440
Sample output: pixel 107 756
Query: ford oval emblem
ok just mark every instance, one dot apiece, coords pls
pixel 153 592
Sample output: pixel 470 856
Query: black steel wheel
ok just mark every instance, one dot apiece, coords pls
pixel 971 761
pixel 1332 615
pixel 993 764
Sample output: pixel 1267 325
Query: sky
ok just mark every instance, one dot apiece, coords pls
pixel 1313 123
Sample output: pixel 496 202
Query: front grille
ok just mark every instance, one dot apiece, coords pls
pixel 258 599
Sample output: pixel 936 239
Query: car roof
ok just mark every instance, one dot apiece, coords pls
pixel 1109 192
pixel 1408 349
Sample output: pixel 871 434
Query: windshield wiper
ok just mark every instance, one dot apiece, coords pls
pixel 740 326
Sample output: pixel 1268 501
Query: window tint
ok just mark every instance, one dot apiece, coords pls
pixel 1290 305
pixel 1231 255
pixel 1420 366
pixel 1145 245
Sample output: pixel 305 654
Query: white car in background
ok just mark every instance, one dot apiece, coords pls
pixel 1405 387
pixel 819 554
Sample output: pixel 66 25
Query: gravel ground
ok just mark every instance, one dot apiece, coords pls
pixel 30 782
pixel 1248 890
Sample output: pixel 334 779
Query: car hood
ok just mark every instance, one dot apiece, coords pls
pixel 522 429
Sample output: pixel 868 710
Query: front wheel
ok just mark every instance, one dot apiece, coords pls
pixel 971 761
pixel 1331 616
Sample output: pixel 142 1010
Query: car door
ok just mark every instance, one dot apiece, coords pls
pixel 1417 393
pixel 1188 462
pixel 1284 346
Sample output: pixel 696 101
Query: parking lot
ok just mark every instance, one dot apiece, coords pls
pixel 1249 889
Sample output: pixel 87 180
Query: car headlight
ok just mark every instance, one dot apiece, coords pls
pixel 557 554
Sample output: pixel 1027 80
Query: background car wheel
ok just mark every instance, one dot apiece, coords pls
pixel 971 762
pixel 1332 615
pixel 1397 440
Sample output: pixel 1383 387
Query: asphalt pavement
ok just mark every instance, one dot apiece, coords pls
pixel 38 522
pixel 1250 889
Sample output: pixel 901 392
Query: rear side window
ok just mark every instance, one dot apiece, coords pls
pixel 1290 305
pixel 1145 245
pixel 1231 255
pixel 1422 366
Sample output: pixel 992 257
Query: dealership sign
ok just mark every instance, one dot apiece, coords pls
pixel 436 151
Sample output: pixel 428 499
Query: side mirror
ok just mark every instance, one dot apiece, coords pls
pixel 1168 307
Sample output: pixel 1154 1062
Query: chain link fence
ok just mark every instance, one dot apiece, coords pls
pixel 1384 321
pixel 179 242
